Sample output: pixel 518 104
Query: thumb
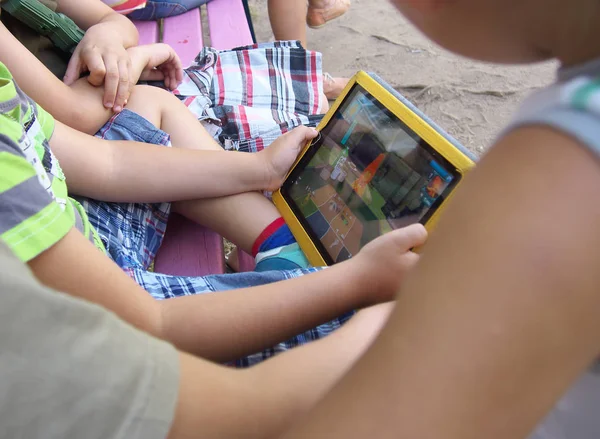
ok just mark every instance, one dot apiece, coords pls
pixel 411 236
pixel 301 135
pixel 73 68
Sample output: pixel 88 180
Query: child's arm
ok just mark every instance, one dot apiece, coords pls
pixel 79 106
pixel 89 13
pixel 226 326
pixel 102 51
pixel 500 316
pixel 105 369
pixel 267 399
pixel 156 62
pixel 126 171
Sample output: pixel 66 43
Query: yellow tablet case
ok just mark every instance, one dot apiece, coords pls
pixel 432 134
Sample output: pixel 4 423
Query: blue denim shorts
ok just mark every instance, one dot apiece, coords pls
pixel 165 8
pixel 132 234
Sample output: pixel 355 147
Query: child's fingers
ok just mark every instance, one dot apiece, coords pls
pixel 167 71
pixel 73 68
pixel 94 63
pixel 172 81
pixel 111 80
pixel 411 258
pixel 132 81
pixel 177 62
pixel 301 134
pixel 175 70
pixel 123 85
pixel 175 77
pixel 411 236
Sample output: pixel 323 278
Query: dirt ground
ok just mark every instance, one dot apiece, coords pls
pixel 471 100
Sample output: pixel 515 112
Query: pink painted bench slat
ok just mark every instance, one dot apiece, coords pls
pixel 148 31
pixel 184 34
pixel 189 249
pixel 227 24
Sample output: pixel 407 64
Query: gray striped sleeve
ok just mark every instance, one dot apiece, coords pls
pixel 580 125
pixel 20 201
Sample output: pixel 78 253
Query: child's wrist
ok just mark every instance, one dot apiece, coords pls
pixel 357 283
pixel 255 175
pixel 372 289
pixel 121 28
pixel 265 172
pixel 139 59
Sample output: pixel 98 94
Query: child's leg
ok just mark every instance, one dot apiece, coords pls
pixel 288 19
pixel 322 11
pixel 240 218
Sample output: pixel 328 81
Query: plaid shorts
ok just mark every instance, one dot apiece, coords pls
pixel 132 234
pixel 248 96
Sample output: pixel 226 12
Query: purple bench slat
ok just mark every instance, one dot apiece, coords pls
pixel 227 24
pixel 184 34
pixel 148 31
pixel 189 249
pixel 228 29
pixel 246 262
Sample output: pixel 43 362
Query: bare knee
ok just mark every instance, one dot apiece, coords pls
pixel 149 102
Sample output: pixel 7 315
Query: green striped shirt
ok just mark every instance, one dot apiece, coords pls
pixel 35 210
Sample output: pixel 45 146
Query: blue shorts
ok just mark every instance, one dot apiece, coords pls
pixel 132 234
pixel 156 9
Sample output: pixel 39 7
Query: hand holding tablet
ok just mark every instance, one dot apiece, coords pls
pixel 378 164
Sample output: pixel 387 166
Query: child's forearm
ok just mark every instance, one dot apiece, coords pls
pixel 150 173
pixel 126 171
pixel 265 400
pixel 220 326
pixel 80 107
pixel 228 326
pixel 123 27
pixel 88 13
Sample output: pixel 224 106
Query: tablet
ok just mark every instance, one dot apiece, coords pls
pixel 378 164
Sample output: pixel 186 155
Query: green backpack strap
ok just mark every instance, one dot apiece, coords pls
pixel 59 28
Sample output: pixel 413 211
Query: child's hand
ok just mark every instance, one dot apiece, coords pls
pixel 156 62
pixel 282 153
pixel 384 262
pixel 101 53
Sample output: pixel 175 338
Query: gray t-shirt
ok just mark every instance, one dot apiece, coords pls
pixel 71 370
pixel 571 105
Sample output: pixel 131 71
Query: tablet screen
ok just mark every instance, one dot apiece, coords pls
pixel 366 175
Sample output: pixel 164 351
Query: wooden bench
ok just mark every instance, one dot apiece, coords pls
pixel 189 249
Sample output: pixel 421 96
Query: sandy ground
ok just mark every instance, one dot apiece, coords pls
pixel 471 100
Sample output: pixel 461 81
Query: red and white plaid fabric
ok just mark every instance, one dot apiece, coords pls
pixel 248 96
pixel 125 6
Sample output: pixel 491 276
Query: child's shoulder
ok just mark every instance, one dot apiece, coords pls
pixel 31 181
pixel 17 107
pixel 25 130
pixel 570 105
